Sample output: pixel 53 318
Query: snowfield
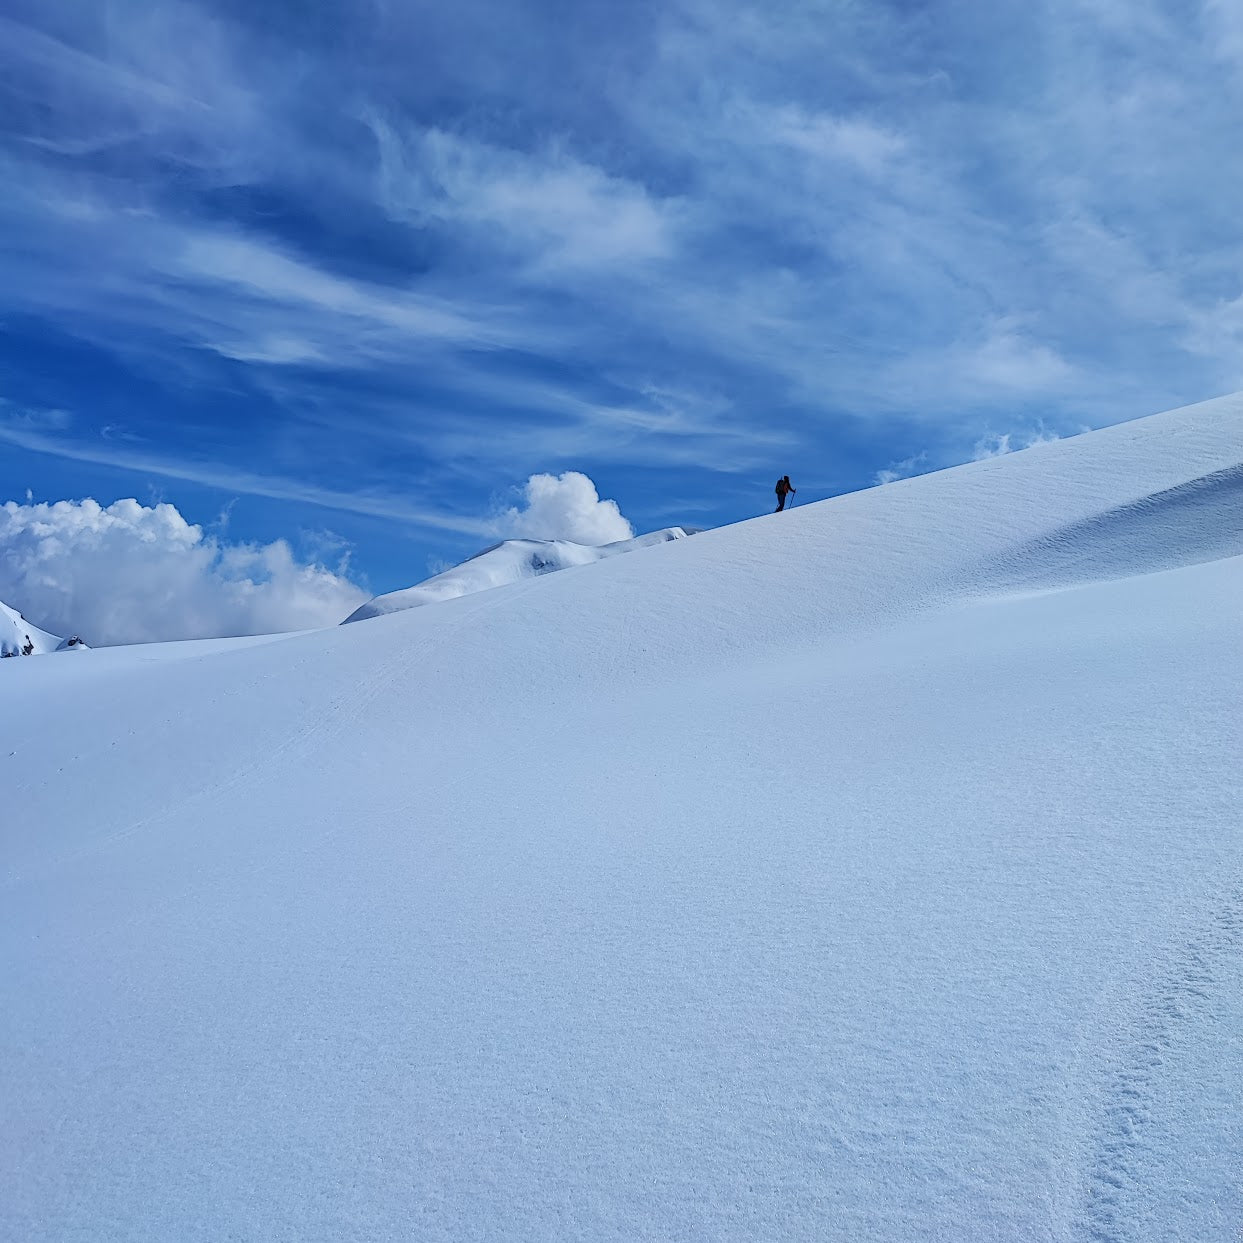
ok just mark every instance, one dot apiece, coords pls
pixel 870 871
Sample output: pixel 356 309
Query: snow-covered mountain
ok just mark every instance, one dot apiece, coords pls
pixel 869 871
pixel 502 564
pixel 19 638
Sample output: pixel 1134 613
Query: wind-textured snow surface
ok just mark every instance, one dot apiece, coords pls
pixel 870 871
pixel 502 564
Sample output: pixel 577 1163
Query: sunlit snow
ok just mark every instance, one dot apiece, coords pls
pixel 19 638
pixel 870 871
pixel 505 563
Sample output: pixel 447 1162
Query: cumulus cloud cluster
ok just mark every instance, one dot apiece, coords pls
pixel 566 507
pixel 131 573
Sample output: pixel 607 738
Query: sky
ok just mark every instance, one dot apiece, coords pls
pixel 350 289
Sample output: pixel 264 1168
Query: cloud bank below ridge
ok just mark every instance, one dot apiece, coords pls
pixel 131 573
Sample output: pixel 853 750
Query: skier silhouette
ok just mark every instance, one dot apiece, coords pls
pixel 784 488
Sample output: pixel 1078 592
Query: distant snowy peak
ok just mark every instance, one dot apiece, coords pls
pixel 504 563
pixel 19 638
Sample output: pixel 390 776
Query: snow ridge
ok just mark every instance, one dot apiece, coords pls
pixel 1192 522
pixel 18 637
pixel 503 564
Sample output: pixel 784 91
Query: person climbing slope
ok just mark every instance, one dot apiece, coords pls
pixel 784 488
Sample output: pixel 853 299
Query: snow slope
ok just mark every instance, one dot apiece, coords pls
pixel 869 871
pixel 16 632
pixel 502 564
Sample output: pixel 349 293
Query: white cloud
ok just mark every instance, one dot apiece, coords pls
pixel 1010 359
pixel 1224 30
pixel 131 573
pixel 565 507
pixel 557 213
pixel 845 220
pixel 262 271
pixel 361 501
pixel 836 139
pixel 901 470
pixel 996 362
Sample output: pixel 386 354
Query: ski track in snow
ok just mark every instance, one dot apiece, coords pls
pixel 1167 1015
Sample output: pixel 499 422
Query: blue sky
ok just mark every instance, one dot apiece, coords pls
pixel 348 272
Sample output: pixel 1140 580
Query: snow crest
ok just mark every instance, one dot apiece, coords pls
pixel 19 638
pixel 505 563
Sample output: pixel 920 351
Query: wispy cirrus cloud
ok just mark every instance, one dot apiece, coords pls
pixel 319 310
pixel 38 435
pixel 547 212
pixel 702 237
